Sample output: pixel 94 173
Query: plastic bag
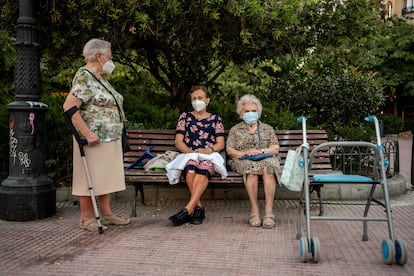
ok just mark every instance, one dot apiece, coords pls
pixel 293 172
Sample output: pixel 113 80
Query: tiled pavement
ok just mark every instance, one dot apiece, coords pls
pixel 223 245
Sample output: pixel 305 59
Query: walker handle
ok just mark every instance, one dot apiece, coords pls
pixel 373 119
pixel 370 119
pixel 302 119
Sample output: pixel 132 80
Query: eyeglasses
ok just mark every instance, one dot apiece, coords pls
pixel 109 58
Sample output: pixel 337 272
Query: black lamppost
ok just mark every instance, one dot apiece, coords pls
pixel 412 161
pixel 27 193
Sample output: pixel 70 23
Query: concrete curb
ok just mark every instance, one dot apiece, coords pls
pixel 396 187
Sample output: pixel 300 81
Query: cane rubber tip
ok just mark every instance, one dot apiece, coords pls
pixel 101 231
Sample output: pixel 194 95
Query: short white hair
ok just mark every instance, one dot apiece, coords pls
pixel 93 47
pixel 249 98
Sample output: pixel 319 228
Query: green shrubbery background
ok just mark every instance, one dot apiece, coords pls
pixel 334 67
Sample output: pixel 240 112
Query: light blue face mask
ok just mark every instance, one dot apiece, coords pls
pixel 250 117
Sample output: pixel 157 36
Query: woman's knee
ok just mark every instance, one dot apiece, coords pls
pixel 251 179
pixel 252 176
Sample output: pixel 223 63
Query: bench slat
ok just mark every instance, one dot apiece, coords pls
pixel 163 140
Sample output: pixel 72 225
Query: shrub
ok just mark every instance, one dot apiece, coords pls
pixel 357 133
pixel 392 124
pixel 59 140
pixel 4 136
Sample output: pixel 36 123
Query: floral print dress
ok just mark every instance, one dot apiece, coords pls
pixel 98 109
pixel 199 133
pixel 241 139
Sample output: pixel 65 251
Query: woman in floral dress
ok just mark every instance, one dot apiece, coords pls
pixel 99 122
pixel 201 132
pixel 251 137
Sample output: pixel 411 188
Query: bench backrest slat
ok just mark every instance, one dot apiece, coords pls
pixel 163 140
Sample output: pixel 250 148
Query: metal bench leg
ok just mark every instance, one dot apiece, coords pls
pixel 137 187
pixel 317 189
pixel 141 189
pixel 134 202
pixel 319 193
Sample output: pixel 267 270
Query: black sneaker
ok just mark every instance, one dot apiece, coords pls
pixel 180 218
pixel 198 216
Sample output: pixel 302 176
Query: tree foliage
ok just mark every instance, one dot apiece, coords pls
pixel 323 78
pixel 392 57
pixel 8 53
pixel 181 43
pixel 313 57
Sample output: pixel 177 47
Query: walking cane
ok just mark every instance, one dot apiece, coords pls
pixel 81 142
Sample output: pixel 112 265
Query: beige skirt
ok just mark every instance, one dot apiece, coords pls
pixel 106 169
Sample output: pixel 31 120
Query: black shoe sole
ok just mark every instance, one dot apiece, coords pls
pixel 196 222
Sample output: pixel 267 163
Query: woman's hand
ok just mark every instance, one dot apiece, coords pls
pixel 252 151
pixel 204 150
pixel 92 138
pixel 236 154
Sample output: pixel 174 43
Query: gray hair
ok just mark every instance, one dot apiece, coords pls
pixel 249 98
pixel 93 47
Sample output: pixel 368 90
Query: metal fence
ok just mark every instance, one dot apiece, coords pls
pixel 361 160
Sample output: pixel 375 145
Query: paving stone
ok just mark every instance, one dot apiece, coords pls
pixel 223 245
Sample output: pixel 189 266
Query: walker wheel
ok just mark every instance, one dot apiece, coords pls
pixel 304 249
pixel 400 252
pixel 315 249
pixel 388 251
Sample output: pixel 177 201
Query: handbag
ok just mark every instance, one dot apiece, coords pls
pixel 256 157
pixel 293 172
pixel 124 136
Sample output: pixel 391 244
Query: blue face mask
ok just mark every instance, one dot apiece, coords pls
pixel 250 117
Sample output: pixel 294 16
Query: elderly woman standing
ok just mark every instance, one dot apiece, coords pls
pixel 98 117
pixel 251 137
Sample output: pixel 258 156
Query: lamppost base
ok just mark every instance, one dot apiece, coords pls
pixel 25 199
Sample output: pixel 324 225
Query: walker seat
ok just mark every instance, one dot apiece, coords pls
pixel 341 178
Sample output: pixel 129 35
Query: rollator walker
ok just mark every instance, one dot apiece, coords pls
pixel 393 250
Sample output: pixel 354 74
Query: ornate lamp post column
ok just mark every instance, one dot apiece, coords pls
pixel 27 193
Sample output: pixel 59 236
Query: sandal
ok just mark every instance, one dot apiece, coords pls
pixel 91 225
pixel 254 220
pixel 115 220
pixel 268 221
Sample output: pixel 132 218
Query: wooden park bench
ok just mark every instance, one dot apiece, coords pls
pixel 163 140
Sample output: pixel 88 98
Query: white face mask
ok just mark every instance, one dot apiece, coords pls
pixel 198 105
pixel 108 67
